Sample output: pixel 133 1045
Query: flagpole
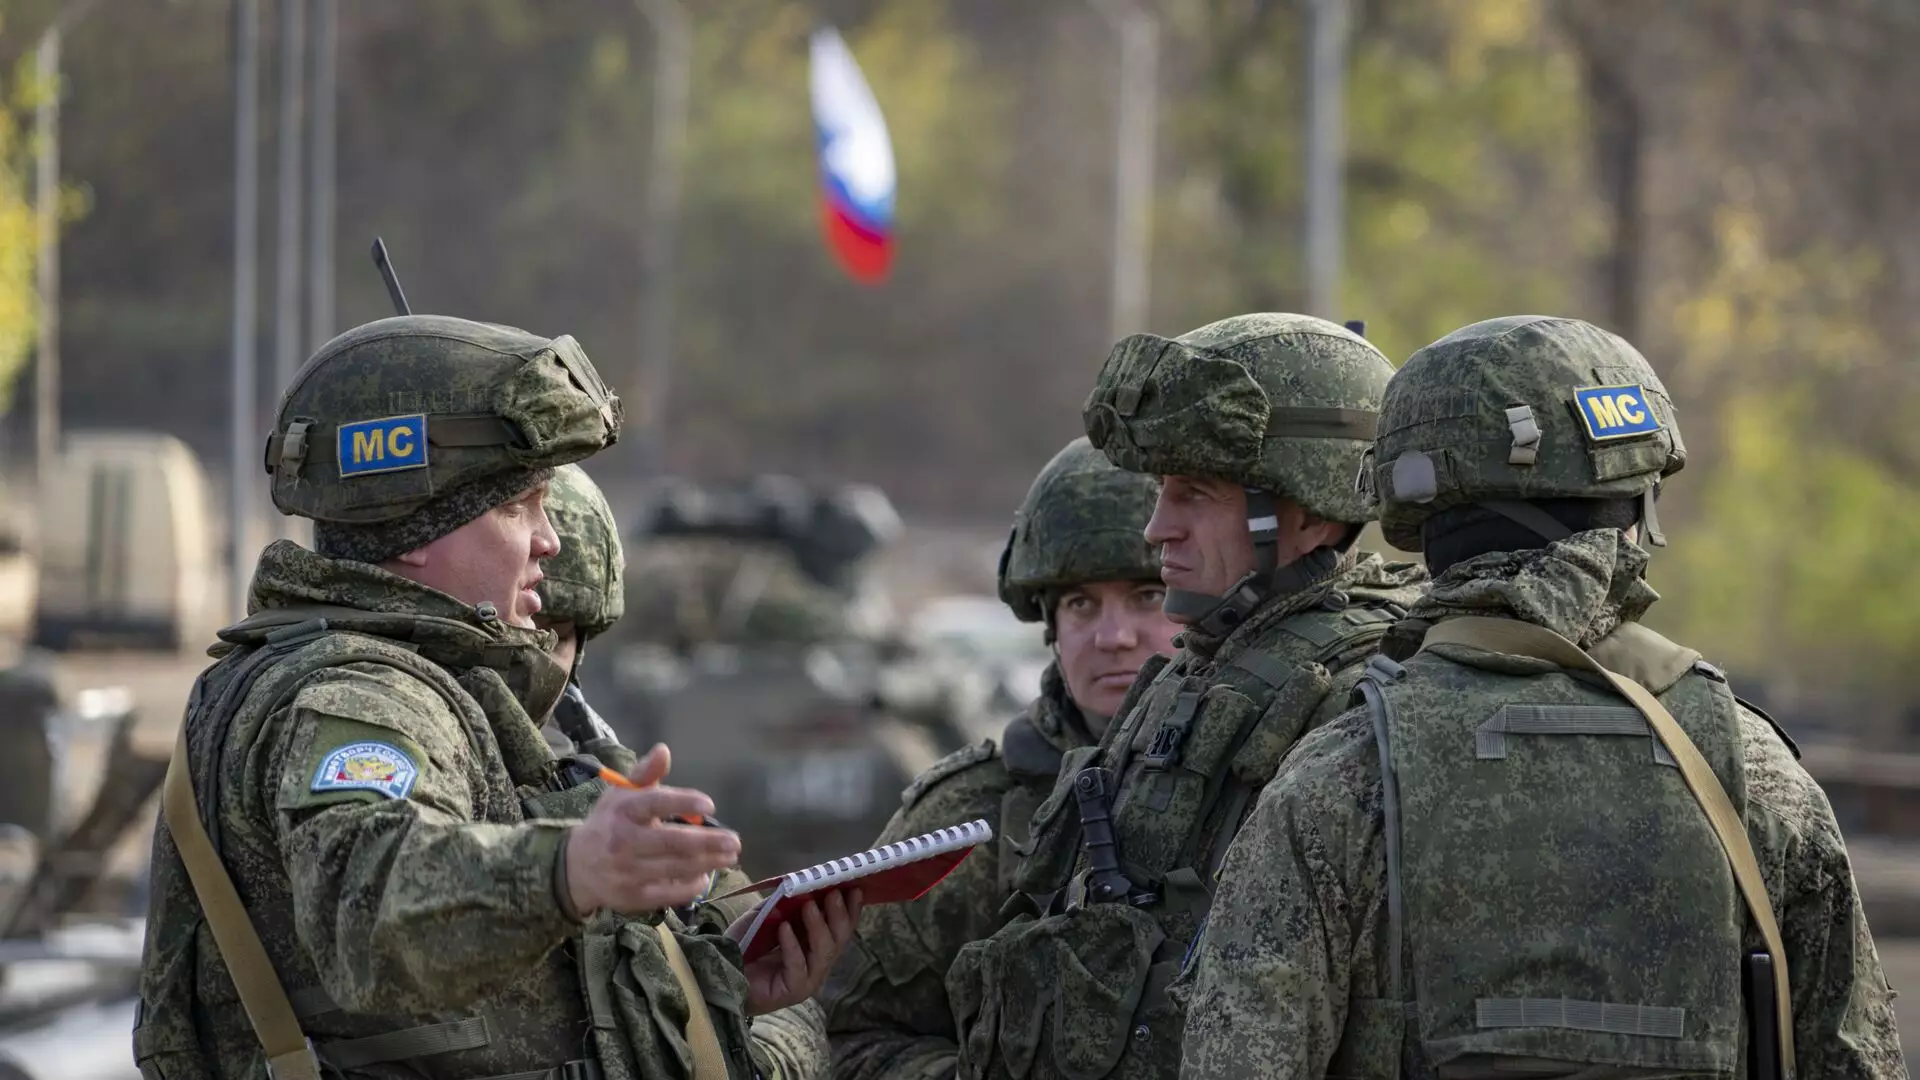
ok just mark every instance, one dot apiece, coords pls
pixel 1137 107
pixel 660 214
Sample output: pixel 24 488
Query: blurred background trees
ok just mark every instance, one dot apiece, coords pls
pixel 1727 182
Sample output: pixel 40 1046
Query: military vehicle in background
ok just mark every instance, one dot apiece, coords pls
pixel 756 645
pixel 126 546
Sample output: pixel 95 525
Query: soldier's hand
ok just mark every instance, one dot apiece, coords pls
pixel 793 973
pixel 626 857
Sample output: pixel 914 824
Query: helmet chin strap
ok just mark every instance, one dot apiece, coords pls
pixel 1552 529
pixel 1217 616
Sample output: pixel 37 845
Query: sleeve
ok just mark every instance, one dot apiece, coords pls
pixel 793 1041
pixel 887 1008
pixel 1268 986
pixel 1843 1016
pixel 401 899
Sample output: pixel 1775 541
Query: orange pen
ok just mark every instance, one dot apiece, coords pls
pixel 617 780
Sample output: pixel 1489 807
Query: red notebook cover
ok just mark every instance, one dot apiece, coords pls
pixel 891 874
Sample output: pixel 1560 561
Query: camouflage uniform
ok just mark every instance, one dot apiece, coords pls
pixel 1074 982
pixel 368 766
pixel 887 1003
pixel 1552 902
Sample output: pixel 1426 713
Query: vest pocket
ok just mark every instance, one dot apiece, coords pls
pixel 1056 997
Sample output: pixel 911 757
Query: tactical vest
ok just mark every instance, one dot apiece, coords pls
pixel 1033 763
pixel 1562 903
pixel 191 1013
pixel 1076 987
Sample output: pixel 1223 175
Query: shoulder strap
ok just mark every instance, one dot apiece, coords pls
pixel 709 1063
pixel 289 1055
pixel 1525 639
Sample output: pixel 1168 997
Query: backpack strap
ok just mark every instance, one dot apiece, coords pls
pixel 1525 639
pixel 289 1054
pixel 709 1063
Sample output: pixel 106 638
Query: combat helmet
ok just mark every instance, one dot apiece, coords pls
pixel 1284 405
pixel 395 428
pixel 1082 521
pixel 1516 409
pixel 584 584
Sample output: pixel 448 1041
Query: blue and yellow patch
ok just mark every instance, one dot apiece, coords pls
pixel 367 766
pixel 381 446
pixel 1615 412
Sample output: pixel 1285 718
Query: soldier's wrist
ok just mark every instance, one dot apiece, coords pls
pixel 562 888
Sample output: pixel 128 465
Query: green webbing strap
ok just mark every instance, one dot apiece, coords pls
pixel 295 446
pixel 1613 1018
pixel 1517 638
pixel 289 1055
pixel 1490 738
pixel 416 1042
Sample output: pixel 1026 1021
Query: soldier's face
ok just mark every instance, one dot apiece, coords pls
pixel 1103 632
pixel 1200 527
pixel 495 557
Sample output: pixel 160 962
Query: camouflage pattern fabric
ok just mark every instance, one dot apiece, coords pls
pixel 585 584
pixel 887 1008
pixel 1073 988
pixel 366 796
pixel 1082 521
pixel 685 591
pixel 1278 403
pixel 1290 979
pixel 391 415
pixel 1521 407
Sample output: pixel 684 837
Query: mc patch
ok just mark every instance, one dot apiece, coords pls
pixel 367 766
pixel 1615 412
pixel 382 446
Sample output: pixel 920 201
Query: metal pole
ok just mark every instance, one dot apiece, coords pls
pixel 320 164
pixel 246 214
pixel 672 78
pixel 290 141
pixel 1137 113
pixel 46 208
pixel 1326 153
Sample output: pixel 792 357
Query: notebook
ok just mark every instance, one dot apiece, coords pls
pixel 892 874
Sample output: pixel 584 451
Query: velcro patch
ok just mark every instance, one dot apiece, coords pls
pixel 367 766
pixel 1615 412
pixel 387 445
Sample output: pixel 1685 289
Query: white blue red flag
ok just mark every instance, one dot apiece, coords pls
pixel 856 161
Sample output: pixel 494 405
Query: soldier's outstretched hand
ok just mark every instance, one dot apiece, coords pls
pixel 628 857
pixel 794 972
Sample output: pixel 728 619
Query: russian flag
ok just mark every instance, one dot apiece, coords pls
pixel 856 161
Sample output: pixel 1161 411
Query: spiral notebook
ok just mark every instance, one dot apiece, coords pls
pixel 892 874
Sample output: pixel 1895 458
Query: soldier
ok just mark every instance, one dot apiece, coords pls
pixel 580 599
pixel 1552 842
pixel 1075 560
pixel 346 873
pixel 1256 426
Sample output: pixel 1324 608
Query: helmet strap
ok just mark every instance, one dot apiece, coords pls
pixel 1218 616
pixel 1650 523
pixel 1530 517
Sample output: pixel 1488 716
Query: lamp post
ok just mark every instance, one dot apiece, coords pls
pixel 660 214
pixel 1326 153
pixel 246 212
pixel 1137 112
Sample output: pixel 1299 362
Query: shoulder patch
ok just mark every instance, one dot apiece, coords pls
pixel 1615 412
pixel 367 766
pixel 964 758
pixel 389 444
